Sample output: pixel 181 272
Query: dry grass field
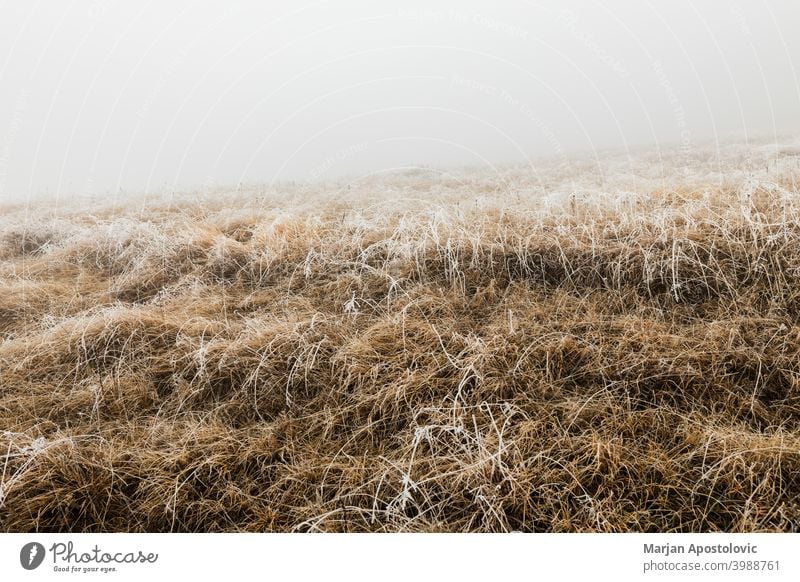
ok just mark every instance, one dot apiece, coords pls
pixel 594 346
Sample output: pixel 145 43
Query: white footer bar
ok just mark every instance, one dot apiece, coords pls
pixel 406 557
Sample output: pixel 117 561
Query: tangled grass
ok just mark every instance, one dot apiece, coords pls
pixel 586 362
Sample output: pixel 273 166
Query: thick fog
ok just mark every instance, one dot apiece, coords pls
pixel 113 97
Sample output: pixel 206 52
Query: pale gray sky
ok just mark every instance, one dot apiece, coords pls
pixel 151 95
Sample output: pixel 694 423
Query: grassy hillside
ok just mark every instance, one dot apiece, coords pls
pixel 612 349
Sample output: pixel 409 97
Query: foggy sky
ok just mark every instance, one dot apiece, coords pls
pixel 103 97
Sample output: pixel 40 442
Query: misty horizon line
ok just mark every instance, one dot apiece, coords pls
pixel 573 155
